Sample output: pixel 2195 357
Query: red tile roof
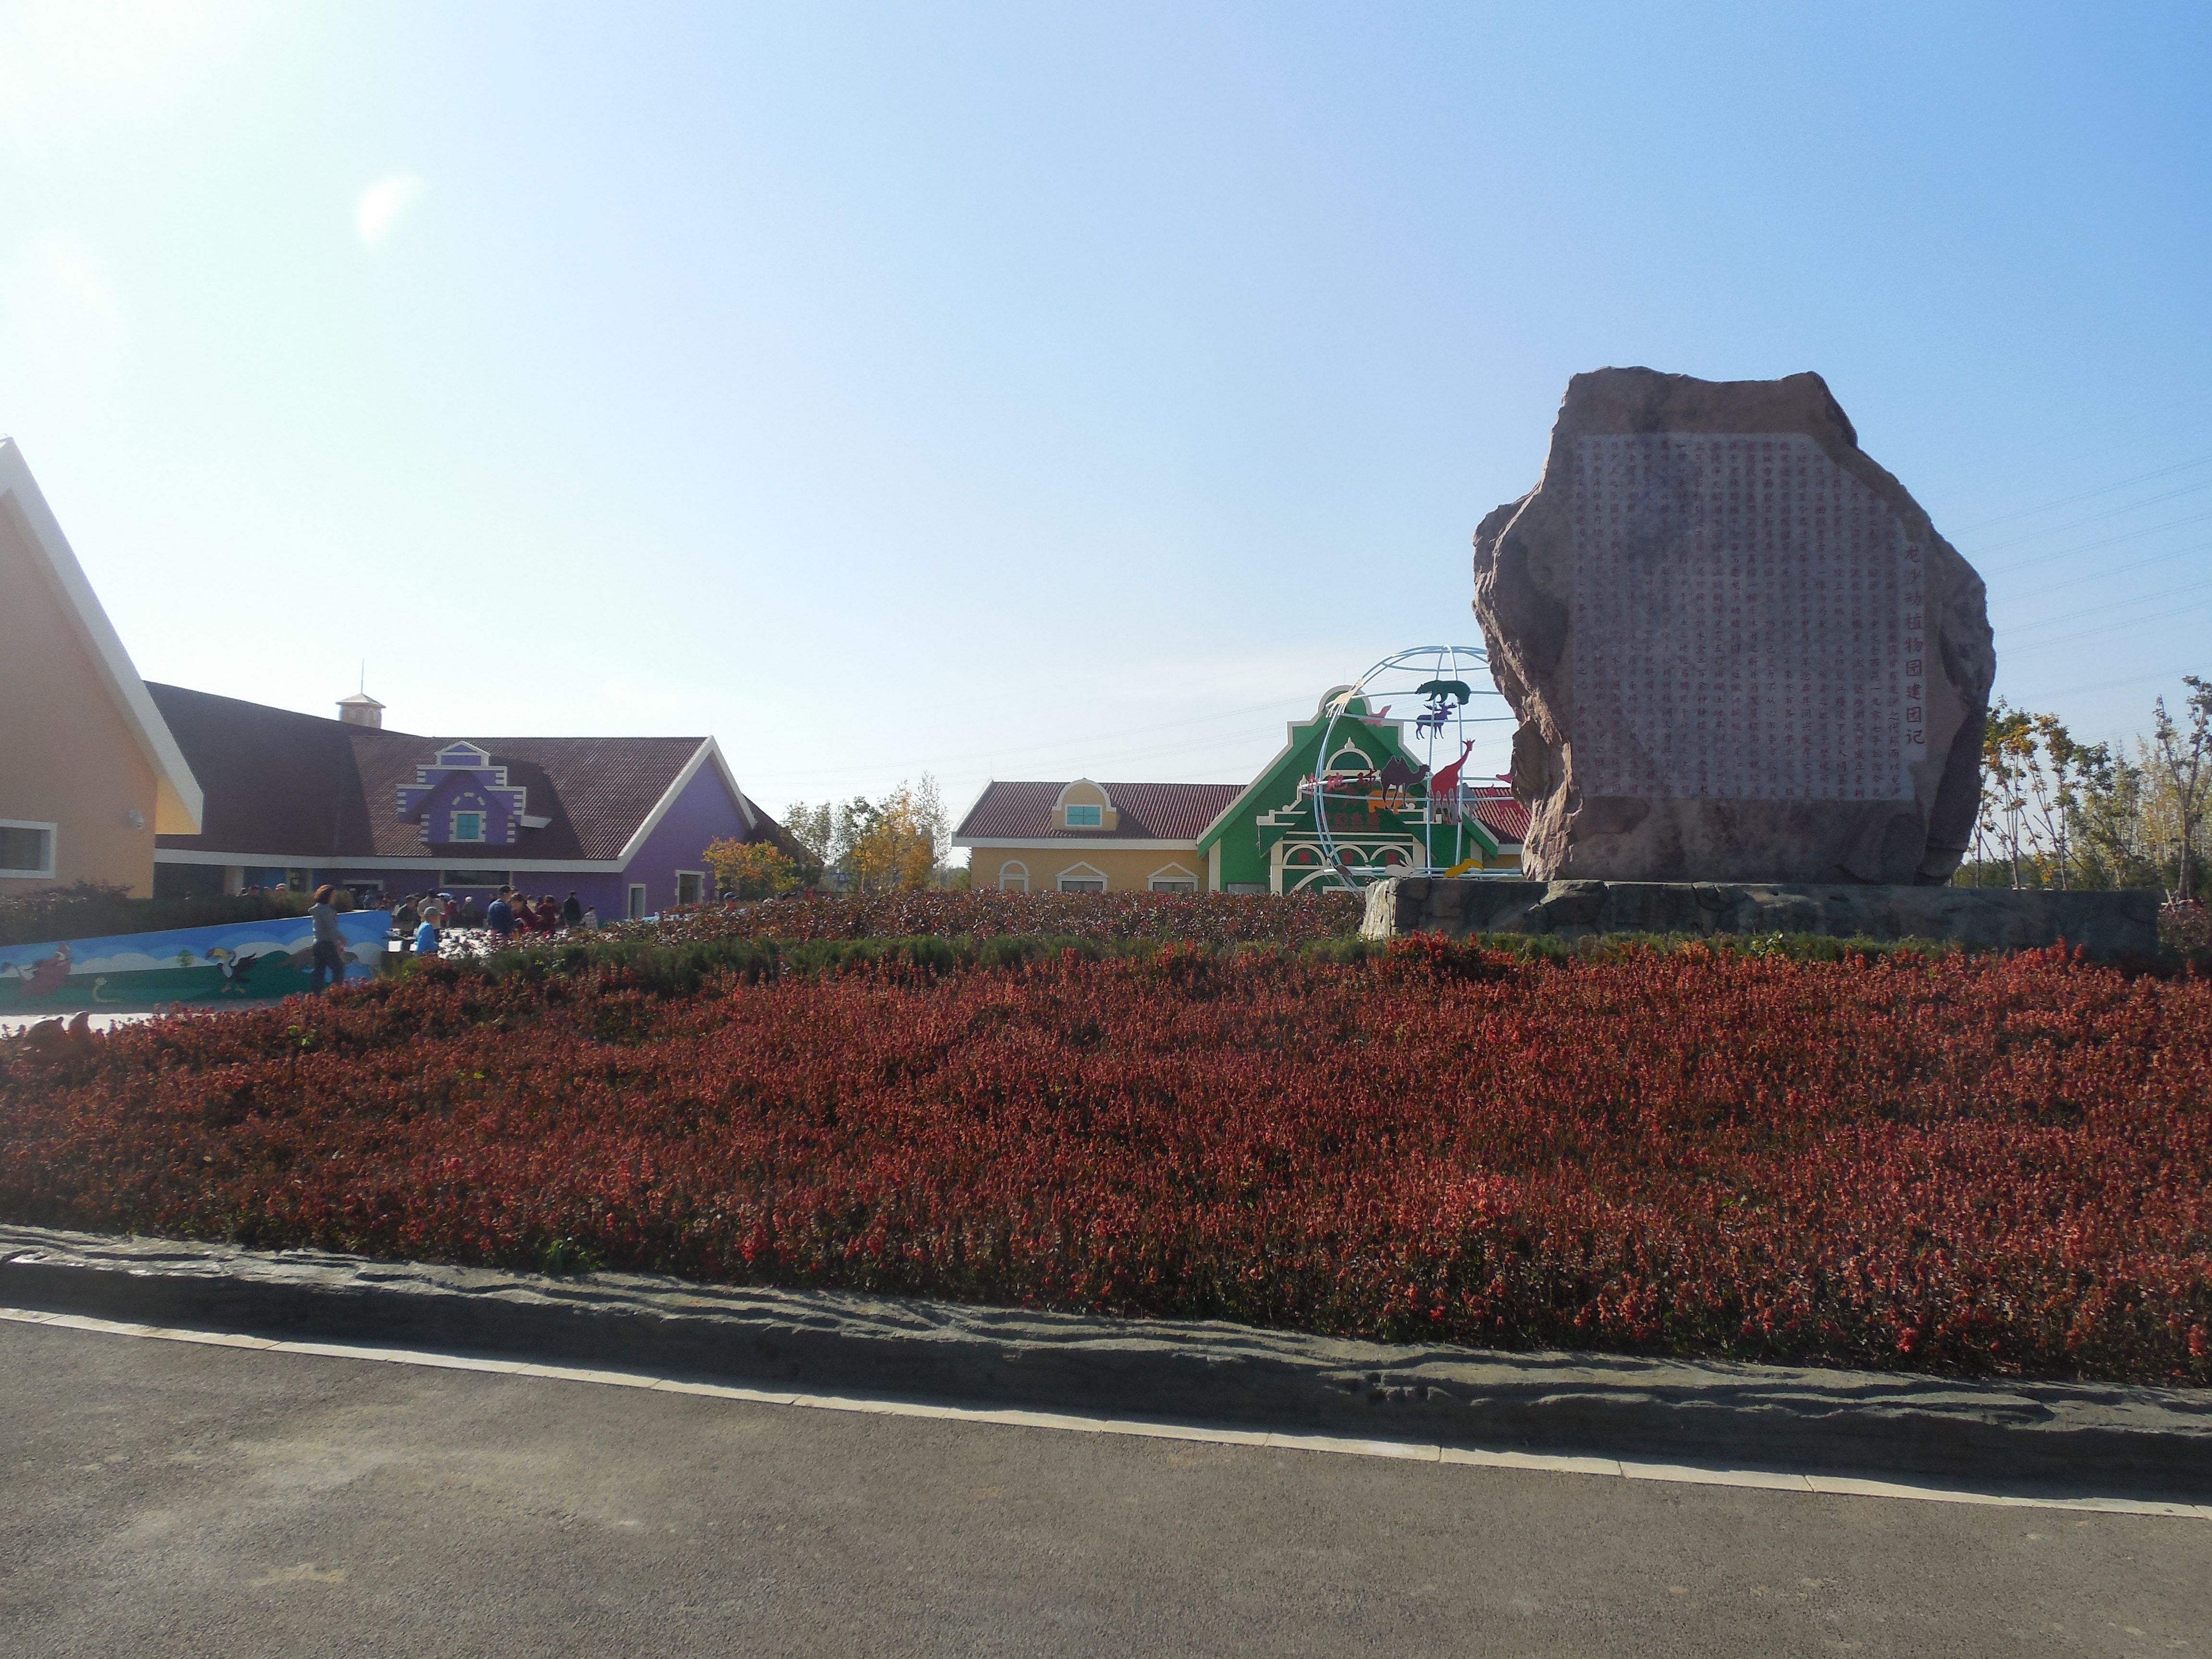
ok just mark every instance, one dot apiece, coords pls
pixel 1149 811
pixel 1503 816
pixel 298 785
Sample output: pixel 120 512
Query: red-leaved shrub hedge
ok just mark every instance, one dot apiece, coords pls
pixel 1192 918
pixel 1972 1165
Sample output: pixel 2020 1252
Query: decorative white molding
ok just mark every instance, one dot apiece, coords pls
pixel 707 750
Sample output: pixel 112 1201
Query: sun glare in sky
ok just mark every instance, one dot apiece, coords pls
pixel 382 206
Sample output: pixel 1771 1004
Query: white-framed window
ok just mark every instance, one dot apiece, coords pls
pixel 637 901
pixel 468 826
pixel 1013 877
pixel 457 880
pixel 1172 878
pixel 27 848
pixel 690 886
pixel 1080 878
pixel 1085 817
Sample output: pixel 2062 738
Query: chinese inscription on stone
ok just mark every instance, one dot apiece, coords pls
pixel 1749 623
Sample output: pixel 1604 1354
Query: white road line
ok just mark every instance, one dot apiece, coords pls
pixel 1413 1451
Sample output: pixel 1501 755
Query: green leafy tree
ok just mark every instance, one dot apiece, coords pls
pixel 899 841
pixel 815 828
pixel 750 870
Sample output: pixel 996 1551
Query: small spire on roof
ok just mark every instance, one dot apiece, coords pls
pixel 362 709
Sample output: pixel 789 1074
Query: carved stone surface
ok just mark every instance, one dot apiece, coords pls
pixel 2106 925
pixel 1737 648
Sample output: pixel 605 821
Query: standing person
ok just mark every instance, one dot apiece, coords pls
pixel 406 915
pixel 591 915
pixel 329 944
pixel 426 932
pixel 572 914
pixel 501 916
pixel 548 918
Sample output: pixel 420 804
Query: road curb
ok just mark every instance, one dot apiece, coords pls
pixel 2030 1437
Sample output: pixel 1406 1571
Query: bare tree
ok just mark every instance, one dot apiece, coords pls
pixel 2183 756
pixel 2034 778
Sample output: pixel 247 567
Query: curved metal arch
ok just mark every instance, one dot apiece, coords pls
pixel 1445 842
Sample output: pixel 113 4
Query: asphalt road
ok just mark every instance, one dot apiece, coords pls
pixel 163 1499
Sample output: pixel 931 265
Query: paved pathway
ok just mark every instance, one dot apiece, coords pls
pixel 162 1498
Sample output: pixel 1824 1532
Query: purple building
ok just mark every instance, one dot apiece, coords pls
pixel 297 800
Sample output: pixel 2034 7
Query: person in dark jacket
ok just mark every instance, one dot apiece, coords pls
pixel 500 917
pixel 329 944
pixel 572 914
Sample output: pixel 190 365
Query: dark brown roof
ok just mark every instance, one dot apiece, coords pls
pixel 1149 811
pixel 298 785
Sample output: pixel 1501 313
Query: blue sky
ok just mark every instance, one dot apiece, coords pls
pixel 1026 391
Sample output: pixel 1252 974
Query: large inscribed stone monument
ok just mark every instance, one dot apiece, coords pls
pixel 1737 649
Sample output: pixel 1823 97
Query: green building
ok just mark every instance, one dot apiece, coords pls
pixel 1266 840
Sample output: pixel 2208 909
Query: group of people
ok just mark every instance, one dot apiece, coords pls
pixel 421 916
pixel 512 913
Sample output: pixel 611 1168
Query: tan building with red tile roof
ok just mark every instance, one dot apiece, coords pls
pixel 1086 836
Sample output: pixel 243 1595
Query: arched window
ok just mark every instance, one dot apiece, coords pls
pixel 1013 877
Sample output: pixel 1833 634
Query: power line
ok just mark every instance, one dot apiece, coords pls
pixel 1000 750
pixel 2116 570
pixel 2086 494
pixel 2132 622
pixel 2109 541
pixel 2094 518
pixel 2112 685
pixel 2120 605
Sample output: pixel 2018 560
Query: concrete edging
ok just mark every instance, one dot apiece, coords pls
pixel 2021 1436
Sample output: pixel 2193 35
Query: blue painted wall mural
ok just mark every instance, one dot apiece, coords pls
pixel 234 963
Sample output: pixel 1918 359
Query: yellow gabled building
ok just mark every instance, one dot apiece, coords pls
pixel 88 771
pixel 1090 837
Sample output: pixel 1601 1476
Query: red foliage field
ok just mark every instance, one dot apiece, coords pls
pixel 1970 1165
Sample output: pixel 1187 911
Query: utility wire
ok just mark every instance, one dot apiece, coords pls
pixel 2118 604
pixel 2108 574
pixel 2132 622
pixel 2109 541
pixel 2086 494
pixel 2094 518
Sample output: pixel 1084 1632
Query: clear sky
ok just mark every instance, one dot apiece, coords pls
pixel 1027 391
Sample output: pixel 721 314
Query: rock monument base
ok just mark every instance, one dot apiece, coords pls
pixel 2106 925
